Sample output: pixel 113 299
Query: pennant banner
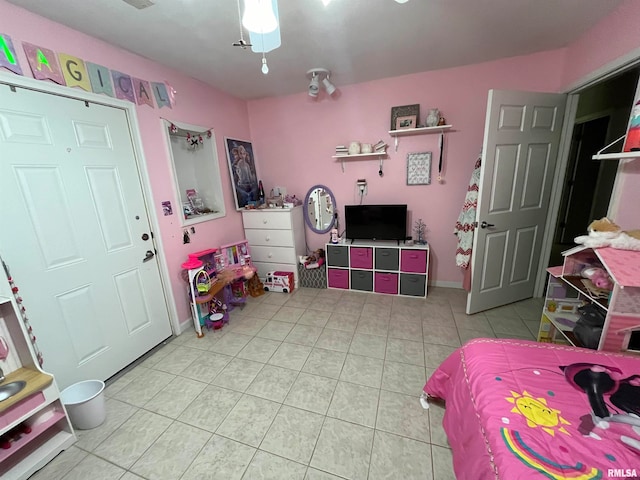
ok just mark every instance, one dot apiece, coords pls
pixel 143 92
pixel 172 94
pixel 74 72
pixel 43 63
pixel 160 92
pixel 100 78
pixel 123 86
pixel 8 57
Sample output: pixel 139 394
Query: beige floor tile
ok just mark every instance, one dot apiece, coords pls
pixel 170 456
pixel 177 360
pixel 314 318
pixel 403 415
pixel 343 449
pixel 405 330
pixel 326 363
pixel 210 408
pixel 290 313
pixel 220 459
pixel 249 420
pixel 174 398
pixel 362 370
pixel 348 307
pixel 238 374
pixel 303 335
pixel 342 321
pixel 311 392
pixel 392 454
pixel 248 325
pixel 511 325
pixel 117 413
pixel 466 335
pixel 337 340
pixel 273 383
pixel 231 344
pixel 275 330
pixel 373 326
pixel 265 310
pixel 321 304
pixel 94 468
pixel 290 356
pixel 441 335
pixel 206 367
pixel 313 474
pixel 434 355
pixel 438 435
pixel 442 463
pixel 61 465
pixel 259 349
pixel 368 345
pixel 144 388
pixel 403 378
pixel 266 466
pixel 293 434
pixel 405 351
pixel 355 403
pixel 275 298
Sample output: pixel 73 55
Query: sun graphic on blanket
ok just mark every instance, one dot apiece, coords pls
pixel 538 413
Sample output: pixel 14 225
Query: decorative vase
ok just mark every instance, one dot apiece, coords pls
pixel 433 118
pixel 354 148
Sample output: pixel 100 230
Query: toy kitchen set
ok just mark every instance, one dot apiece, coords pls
pixel 34 426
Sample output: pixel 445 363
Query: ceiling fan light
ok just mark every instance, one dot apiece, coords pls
pixel 402 1
pixel 259 17
pixel 328 86
pixel 314 86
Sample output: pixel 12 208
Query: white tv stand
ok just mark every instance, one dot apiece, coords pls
pixel 378 266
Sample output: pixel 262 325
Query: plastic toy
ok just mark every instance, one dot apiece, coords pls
pixel 605 233
pixel 598 277
pixel 279 282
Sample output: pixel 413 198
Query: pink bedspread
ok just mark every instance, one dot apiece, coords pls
pixel 520 410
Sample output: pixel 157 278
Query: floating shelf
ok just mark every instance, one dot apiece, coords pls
pixel 616 156
pixel 417 131
pixel 360 156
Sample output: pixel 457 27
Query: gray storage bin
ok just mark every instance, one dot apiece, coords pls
pixel 338 255
pixel 387 259
pixel 362 280
pixel 411 284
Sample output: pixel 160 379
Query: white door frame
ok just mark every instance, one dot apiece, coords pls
pixel 136 140
pixel 625 62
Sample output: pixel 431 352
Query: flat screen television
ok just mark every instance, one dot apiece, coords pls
pixel 376 222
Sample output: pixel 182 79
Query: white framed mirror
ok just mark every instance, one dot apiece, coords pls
pixel 196 173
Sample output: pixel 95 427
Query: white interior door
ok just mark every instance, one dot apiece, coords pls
pixel 520 149
pixel 73 218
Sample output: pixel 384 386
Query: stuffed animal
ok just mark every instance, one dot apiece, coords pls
pixel 605 233
pixel 598 277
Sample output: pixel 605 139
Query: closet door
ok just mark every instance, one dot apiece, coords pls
pixel 73 231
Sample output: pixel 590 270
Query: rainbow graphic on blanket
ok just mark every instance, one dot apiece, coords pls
pixel 545 466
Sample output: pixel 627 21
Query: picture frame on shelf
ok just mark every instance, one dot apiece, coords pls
pixel 406 122
pixel 242 170
pixel 419 168
pixel 404 111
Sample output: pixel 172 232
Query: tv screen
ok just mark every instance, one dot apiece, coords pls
pixel 376 222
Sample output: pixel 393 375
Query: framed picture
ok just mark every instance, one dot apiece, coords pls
pixel 409 121
pixel 419 168
pixel 242 170
pixel 404 111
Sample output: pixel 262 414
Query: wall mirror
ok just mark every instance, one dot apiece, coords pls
pixel 196 172
pixel 319 209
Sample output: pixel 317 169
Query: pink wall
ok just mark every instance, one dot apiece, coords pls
pixel 197 104
pixel 294 138
pixel 614 36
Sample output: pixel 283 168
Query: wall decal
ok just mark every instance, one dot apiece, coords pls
pixel 8 57
pixel 74 71
pixel 44 63
pixel 123 86
pixel 100 79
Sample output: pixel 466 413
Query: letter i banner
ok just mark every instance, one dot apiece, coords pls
pixel 8 57
pixel 44 63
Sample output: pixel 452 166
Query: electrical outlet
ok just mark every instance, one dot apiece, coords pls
pixel 361 187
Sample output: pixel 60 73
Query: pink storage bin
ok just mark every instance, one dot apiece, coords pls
pixel 386 283
pixel 361 257
pixel 337 278
pixel 414 261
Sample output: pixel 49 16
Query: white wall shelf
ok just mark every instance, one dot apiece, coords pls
pixel 616 156
pixel 417 131
pixel 359 156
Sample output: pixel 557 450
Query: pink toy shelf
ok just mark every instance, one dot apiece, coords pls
pixel 237 267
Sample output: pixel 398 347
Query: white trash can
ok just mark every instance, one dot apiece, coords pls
pixel 85 404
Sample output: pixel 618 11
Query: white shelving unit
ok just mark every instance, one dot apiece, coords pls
pixel 417 131
pixel 359 156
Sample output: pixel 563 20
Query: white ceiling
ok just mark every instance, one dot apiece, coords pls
pixel 358 40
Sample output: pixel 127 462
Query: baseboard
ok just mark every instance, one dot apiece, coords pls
pixel 184 326
pixel 439 283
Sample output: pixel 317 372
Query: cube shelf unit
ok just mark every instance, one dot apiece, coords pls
pixel 567 290
pixel 380 267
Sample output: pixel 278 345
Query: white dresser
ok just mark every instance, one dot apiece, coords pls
pixel 276 237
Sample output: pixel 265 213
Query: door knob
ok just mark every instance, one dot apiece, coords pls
pixel 485 225
pixel 148 256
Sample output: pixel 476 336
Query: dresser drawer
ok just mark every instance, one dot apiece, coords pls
pixel 362 280
pixel 269 220
pixel 361 257
pixel 413 260
pixel 386 283
pixel 277 238
pixel 274 254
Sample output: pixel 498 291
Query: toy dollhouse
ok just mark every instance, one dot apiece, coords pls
pixel 618 303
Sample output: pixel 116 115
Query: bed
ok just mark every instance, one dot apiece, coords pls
pixel 525 410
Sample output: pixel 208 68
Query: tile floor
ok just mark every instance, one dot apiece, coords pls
pixel 318 384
